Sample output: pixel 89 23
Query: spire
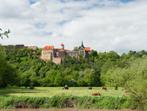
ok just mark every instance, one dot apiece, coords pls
pixel 82 45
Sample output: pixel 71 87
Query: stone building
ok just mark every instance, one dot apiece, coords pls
pixel 57 55
pixel 80 51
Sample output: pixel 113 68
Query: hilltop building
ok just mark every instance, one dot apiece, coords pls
pixel 80 51
pixel 57 55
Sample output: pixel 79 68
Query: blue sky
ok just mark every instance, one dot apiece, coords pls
pixel 104 25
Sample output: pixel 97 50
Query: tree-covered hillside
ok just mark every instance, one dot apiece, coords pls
pixel 94 71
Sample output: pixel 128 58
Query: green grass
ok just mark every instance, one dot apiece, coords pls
pixel 56 97
pixel 58 91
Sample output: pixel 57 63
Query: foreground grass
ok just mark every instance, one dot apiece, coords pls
pixel 69 109
pixel 88 102
pixel 58 91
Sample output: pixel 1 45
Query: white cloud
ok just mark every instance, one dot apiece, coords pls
pixel 103 24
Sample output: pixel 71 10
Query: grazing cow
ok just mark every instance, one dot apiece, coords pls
pixel 104 88
pixel 96 94
pixel 66 87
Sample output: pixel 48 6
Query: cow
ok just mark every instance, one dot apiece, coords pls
pixel 96 94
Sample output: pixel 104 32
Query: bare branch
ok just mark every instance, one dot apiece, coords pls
pixel 4 34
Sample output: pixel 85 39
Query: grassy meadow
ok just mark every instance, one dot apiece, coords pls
pixel 58 91
pixel 57 97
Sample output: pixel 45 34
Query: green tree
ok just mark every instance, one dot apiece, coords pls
pixel 113 78
pixel 93 55
pixel 7 72
pixel 137 85
pixel 133 78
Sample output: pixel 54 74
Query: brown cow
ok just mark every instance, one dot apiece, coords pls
pixel 96 94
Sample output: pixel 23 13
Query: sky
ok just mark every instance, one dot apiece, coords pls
pixel 103 25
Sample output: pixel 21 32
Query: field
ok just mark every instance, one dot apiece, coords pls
pixel 58 91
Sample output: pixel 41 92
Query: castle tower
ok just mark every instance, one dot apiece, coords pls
pixel 47 53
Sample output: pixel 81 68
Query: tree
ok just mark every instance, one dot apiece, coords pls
pixel 133 78
pixel 86 77
pixel 137 88
pixel 137 85
pixel 113 77
pixel 93 55
pixel 4 33
pixel 7 72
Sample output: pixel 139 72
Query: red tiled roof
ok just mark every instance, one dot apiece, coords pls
pixel 88 49
pixel 48 48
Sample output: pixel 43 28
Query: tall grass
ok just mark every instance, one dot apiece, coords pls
pixel 102 102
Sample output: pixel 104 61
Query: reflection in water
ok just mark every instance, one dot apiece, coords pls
pixel 60 110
